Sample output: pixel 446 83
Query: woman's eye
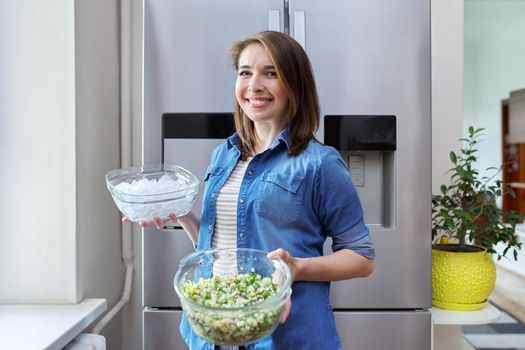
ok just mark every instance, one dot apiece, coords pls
pixel 271 73
pixel 244 73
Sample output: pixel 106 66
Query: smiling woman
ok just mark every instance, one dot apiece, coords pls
pixel 267 173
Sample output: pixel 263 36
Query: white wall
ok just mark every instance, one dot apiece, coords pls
pixel 447 85
pixel 494 68
pixel 494 56
pixel 97 92
pixel 59 135
pixel 37 155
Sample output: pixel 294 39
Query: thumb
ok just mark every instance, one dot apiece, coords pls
pixel 172 217
pixel 277 253
pixel 286 311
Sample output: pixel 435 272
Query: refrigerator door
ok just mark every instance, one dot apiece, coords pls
pixel 186 70
pixel 185 56
pixel 385 330
pixel 161 330
pixel 373 58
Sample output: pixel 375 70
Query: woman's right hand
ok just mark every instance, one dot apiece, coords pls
pixel 189 223
pixel 157 221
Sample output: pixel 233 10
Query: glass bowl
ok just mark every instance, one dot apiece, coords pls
pixel 144 192
pixel 233 325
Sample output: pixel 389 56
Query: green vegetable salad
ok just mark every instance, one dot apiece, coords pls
pixel 232 291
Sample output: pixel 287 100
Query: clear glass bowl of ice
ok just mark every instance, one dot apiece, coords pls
pixel 144 192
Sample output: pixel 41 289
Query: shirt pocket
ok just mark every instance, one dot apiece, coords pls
pixel 212 170
pixel 279 197
pixel 213 173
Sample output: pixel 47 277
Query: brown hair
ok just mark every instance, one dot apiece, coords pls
pixel 294 71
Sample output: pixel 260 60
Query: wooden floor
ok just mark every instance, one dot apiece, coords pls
pixel 509 292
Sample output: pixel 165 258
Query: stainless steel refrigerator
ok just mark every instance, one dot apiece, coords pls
pixel 371 61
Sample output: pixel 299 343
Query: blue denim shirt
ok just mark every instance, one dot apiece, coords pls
pixel 293 203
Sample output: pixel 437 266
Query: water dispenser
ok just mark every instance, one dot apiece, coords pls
pixel 368 144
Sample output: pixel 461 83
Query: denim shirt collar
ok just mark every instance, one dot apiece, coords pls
pixel 284 136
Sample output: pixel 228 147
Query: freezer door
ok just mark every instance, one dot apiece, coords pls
pixel 185 56
pixel 161 330
pixel 162 253
pixel 357 330
pixel 384 330
pixel 373 58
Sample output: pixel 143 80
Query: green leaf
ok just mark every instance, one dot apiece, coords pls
pixel 459 213
pixel 505 250
pixel 453 157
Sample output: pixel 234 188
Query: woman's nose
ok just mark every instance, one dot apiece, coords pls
pixel 255 84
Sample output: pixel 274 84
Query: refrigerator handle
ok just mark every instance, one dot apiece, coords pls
pixel 274 20
pixel 299 28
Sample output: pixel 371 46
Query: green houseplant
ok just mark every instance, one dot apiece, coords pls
pixel 467 224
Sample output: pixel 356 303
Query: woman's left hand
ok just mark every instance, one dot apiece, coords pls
pixel 291 262
pixel 288 259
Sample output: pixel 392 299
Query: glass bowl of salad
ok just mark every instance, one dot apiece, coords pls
pixel 233 296
pixel 144 192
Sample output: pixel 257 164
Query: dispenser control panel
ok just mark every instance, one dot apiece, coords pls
pixel 356 165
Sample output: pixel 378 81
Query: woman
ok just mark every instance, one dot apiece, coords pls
pixel 273 187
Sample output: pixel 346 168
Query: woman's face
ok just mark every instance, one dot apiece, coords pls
pixel 258 90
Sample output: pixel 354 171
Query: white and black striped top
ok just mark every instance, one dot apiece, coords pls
pixel 225 235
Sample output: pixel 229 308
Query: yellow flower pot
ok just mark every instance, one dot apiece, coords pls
pixel 461 280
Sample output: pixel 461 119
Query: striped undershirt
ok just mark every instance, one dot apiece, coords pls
pixel 225 235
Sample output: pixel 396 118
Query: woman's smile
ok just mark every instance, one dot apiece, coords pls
pixel 259 102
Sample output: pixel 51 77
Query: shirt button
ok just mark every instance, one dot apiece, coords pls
pixel 241 234
pixel 241 201
pixel 209 227
pixel 250 173
pixel 213 195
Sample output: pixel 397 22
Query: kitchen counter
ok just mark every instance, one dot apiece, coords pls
pixel 46 326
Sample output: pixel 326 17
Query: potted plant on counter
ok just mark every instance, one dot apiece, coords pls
pixel 467 224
